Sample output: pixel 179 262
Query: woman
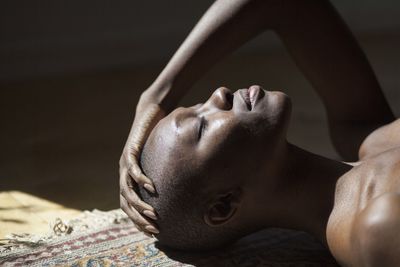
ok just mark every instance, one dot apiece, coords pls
pixel 321 46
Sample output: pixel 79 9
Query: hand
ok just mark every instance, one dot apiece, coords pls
pixel 130 173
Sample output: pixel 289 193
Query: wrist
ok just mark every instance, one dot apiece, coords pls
pixel 162 93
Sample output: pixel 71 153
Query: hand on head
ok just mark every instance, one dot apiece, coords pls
pixel 130 173
pixel 201 157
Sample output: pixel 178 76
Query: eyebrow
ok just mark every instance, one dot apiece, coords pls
pixel 197 131
pixel 181 117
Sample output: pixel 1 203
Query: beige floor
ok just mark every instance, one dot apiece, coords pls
pixel 24 213
pixel 61 137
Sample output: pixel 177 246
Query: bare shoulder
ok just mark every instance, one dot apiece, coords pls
pixel 364 226
pixel 384 138
pixel 375 234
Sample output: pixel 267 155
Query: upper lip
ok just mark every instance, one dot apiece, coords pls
pixel 244 93
pixel 251 101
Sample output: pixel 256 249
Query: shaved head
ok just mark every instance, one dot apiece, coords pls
pixel 180 201
pixel 206 162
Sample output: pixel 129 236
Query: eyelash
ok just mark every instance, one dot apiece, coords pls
pixel 202 127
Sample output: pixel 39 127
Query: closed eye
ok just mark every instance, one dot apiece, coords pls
pixel 202 127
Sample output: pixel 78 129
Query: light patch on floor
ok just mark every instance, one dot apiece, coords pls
pixel 24 213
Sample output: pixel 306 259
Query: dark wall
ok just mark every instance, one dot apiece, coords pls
pixel 51 37
pixel 71 73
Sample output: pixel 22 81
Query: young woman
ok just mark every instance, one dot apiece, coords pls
pixel 354 207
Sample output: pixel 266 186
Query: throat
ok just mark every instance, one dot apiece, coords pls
pixel 306 191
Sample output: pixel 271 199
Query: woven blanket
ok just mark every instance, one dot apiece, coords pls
pixel 110 239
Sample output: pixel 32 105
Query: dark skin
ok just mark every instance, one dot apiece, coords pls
pixel 352 208
pixel 340 73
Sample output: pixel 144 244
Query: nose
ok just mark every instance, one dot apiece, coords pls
pixel 222 99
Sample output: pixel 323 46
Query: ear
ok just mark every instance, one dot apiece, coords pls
pixel 223 208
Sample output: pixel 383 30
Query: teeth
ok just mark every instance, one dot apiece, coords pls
pixel 253 94
pixel 251 98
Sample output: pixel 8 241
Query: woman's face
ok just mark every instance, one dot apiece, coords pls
pixel 231 134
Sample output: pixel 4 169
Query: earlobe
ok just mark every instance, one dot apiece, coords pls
pixel 223 208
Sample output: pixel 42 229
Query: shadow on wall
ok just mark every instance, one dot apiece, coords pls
pixel 62 137
pixel 49 37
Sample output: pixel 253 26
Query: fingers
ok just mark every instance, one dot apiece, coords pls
pixel 131 177
pixel 139 205
pixel 126 190
pixel 136 173
pixel 141 223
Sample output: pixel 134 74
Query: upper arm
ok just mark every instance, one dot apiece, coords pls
pixel 331 59
pixel 376 233
pixel 381 140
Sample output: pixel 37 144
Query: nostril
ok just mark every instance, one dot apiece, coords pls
pixel 229 98
pixel 223 98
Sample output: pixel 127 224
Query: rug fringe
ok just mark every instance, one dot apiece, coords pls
pixel 87 221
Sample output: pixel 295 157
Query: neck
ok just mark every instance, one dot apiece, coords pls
pixel 305 192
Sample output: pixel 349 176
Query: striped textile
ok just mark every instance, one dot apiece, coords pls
pixel 119 243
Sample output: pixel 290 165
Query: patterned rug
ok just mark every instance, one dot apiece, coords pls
pixel 110 239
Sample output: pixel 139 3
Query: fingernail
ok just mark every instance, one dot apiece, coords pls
pixel 149 187
pixel 150 214
pixel 152 229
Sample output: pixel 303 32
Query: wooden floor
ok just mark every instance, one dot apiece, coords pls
pixel 61 137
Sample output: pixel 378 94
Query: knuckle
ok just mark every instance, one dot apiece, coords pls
pixel 123 208
pixel 122 188
pixel 135 207
pixel 123 205
pixel 133 168
pixel 142 205
pixel 140 224
pixel 130 195
pixel 122 191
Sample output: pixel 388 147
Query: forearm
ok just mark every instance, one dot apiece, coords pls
pixel 326 52
pixel 225 26
pixel 331 59
pixel 315 35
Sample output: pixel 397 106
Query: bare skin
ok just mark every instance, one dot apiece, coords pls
pixel 308 29
pixel 351 208
pixel 364 226
pixel 340 73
